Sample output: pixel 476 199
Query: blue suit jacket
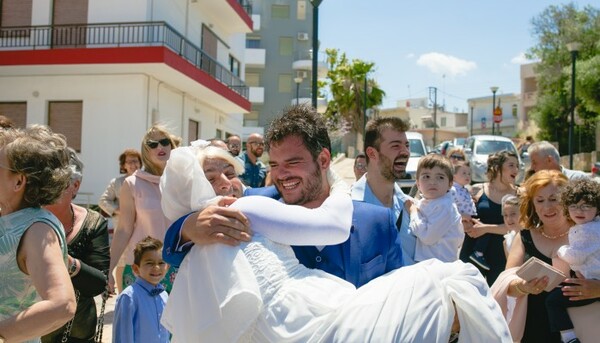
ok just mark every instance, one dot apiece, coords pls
pixel 370 251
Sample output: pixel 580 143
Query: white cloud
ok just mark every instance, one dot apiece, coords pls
pixel 438 63
pixel 410 56
pixel 521 59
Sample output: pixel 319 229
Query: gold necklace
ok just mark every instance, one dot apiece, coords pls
pixel 553 237
pixel 68 232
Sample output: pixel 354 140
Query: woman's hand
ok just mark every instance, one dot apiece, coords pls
pixel 111 283
pixel 582 288
pixel 534 286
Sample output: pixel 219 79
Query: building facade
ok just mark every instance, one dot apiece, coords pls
pixel 101 72
pixel 278 60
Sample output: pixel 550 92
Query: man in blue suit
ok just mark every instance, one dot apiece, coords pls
pixel 299 150
pixel 387 149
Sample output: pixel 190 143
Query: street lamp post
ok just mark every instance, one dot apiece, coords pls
pixel 298 81
pixel 494 89
pixel 315 49
pixel 574 49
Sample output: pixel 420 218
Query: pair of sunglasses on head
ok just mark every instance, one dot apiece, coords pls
pixel 154 144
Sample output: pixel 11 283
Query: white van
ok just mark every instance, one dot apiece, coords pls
pixel 417 150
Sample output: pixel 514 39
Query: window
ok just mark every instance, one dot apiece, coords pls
pixel 514 110
pixel 66 117
pixel 15 111
pixel 252 80
pixel 219 134
pixel 193 130
pixel 285 83
pixel 301 10
pixel 234 66
pixel 16 13
pixel 251 119
pixel 253 42
pixel 280 11
pixel 286 45
pixel 443 122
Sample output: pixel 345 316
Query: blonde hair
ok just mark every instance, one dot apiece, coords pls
pixel 216 152
pixel 156 130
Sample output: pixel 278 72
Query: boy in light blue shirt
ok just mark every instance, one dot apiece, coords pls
pixel 139 307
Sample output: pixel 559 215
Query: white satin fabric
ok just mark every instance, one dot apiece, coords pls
pixel 258 292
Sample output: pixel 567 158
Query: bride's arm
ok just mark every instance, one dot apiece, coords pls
pixel 298 225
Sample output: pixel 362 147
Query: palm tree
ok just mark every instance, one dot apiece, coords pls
pixel 346 106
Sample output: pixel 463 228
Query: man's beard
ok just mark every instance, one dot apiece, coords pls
pixel 255 153
pixel 386 168
pixel 313 188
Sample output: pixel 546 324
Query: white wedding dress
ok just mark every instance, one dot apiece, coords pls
pixel 258 292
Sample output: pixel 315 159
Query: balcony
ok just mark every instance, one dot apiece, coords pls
pixel 257 95
pixel 303 61
pixel 255 58
pixel 90 38
pixel 304 97
pixel 234 13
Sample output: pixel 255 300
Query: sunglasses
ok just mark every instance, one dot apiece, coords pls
pixel 154 144
pixel 457 157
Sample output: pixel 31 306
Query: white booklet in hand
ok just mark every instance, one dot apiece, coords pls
pixel 536 268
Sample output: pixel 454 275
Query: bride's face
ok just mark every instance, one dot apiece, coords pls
pixel 221 176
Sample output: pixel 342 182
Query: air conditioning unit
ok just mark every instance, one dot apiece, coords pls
pixel 302 73
pixel 302 36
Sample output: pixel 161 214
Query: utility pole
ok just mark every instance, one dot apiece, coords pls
pixel 434 91
pixel 315 51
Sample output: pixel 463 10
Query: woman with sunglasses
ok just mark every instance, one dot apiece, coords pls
pixel 141 214
pixel 456 155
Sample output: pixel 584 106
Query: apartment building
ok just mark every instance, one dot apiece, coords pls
pixel 278 60
pixel 481 115
pixel 103 71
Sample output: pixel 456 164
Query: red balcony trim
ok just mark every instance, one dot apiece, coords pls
pixel 121 55
pixel 237 7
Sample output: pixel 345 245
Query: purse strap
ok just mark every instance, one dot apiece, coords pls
pixel 100 325
pixel 69 326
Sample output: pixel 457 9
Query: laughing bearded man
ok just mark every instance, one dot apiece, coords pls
pixel 388 149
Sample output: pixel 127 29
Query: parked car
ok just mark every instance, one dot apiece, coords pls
pixel 479 147
pixel 459 142
pixel 417 150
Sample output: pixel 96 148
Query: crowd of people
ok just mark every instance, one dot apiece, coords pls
pixel 212 244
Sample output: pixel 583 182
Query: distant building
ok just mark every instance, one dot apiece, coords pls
pixel 480 117
pixel 279 60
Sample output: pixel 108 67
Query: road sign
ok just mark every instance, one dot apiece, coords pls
pixel 497 115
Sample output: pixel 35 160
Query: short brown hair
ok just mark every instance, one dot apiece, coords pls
pixel 375 128
pixel 123 158
pixel 434 160
pixel 146 244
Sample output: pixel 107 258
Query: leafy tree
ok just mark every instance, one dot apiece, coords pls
pixel 346 86
pixel 553 29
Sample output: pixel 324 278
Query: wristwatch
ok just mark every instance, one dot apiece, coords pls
pixel 72 270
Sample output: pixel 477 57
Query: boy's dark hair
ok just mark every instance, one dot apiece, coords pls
pixel 435 160
pixel 587 190
pixel 459 164
pixel 302 121
pixel 146 244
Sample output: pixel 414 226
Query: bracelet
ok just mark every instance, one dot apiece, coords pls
pixel 519 290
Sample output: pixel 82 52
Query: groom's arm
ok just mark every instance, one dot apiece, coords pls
pixel 214 224
pixel 174 249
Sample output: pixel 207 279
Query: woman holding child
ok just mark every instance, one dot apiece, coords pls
pixel 484 242
pixel 545 230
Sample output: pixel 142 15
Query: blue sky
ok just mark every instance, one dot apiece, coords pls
pixel 462 47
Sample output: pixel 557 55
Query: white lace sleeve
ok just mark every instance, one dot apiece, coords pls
pixel 297 225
